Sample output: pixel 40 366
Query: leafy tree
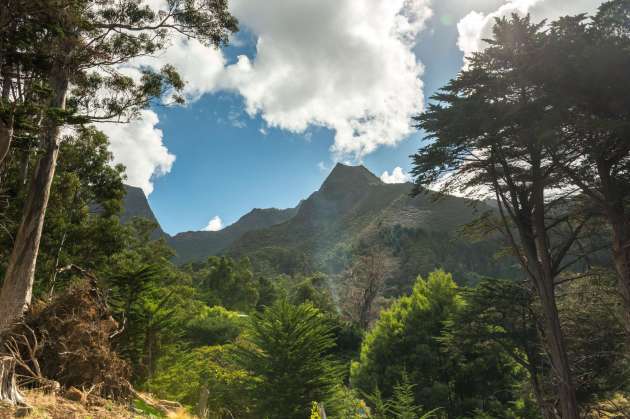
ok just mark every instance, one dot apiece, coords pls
pixel 227 282
pixel 314 289
pixel 502 316
pixel 592 313
pixel 81 44
pixel 408 340
pixel 286 352
pixel 83 226
pixel 214 326
pixel 403 405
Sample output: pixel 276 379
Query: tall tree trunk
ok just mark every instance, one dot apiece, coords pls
pixel 615 212
pixel 546 412
pixel 17 288
pixel 558 354
pixel 544 279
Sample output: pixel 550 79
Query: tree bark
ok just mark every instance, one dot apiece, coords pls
pixel 615 212
pixel 558 354
pixel 544 279
pixel 17 288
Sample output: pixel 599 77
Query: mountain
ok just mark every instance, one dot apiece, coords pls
pixel 354 211
pixel 198 245
pixel 136 205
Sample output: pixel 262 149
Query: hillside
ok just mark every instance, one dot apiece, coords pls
pixel 354 211
pixel 198 245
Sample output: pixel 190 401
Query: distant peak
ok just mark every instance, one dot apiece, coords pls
pixel 349 176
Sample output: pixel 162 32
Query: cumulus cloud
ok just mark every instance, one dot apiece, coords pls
pixel 398 176
pixel 475 26
pixel 139 146
pixel 347 65
pixel 215 224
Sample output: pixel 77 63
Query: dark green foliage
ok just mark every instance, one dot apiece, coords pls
pixel 287 353
pixel 402 405
pixel 227 282
pixel 408 339
pixel 214 326
pixel 184 374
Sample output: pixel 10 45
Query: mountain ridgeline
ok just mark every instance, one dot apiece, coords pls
pixel 352 213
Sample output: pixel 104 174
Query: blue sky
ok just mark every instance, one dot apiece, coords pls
pixel 228 161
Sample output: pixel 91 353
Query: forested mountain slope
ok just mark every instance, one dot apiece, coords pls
pixel 198 245
pixel 354 211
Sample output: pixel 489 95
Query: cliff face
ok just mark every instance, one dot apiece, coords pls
pixel 135 204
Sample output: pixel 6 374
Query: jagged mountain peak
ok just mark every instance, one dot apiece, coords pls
pixel 349 177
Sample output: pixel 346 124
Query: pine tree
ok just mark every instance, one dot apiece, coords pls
pixel 286 350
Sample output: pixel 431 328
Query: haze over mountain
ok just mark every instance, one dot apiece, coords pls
pixel 352 212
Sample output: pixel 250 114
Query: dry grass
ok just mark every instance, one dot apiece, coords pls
pixel 50 406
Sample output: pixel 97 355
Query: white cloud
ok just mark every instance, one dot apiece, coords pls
pixel 347 65
pixel 474 27
pixel 215 224
pixel 138 145
pixel 398 176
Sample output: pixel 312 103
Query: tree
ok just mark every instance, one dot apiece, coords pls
pixel 287 353
pixel 592 311
pixel 407 339
pixel 503 315
pixel 227 282
pixel 85 42
pixel 365 281
pixel 488 134
pixel 583 71
pixel 23 32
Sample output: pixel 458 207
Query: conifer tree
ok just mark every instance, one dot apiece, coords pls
pixel 287 352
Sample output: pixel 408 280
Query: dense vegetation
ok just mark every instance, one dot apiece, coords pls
pixel 345 306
